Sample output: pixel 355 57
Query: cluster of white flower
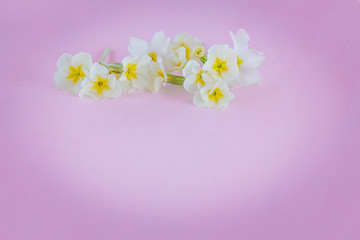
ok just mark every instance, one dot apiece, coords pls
pixel 150 66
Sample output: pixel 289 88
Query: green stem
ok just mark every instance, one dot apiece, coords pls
pixel 203 59
pixel 174 79
pixel 105 54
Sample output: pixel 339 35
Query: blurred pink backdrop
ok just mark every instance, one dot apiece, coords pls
pixel 281 162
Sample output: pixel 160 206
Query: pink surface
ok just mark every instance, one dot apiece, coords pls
pixel 281 162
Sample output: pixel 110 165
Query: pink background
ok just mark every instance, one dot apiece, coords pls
pixel 281 162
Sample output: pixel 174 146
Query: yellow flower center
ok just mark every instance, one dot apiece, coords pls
pixel 220 66
pixel 187 50
pixel 153 56
pixel 178 64
pixel 239 62
pixel 199 79
pixel 76 73
pixel 215 95
pixel 161 74
pixel 100 85
pixel 130 71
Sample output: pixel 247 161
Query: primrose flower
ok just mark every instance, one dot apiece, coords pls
pixel 176 60
pixel 157 48
pixel 206 73
pixel 247 60
pixel 158 75
pixel 136 73
pixel 72 70
pixel 214 94
pixel 186 41
pixel 193 77
pixel 221 63
pixel 100 84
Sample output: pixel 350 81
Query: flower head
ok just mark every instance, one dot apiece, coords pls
pixel 176 60
pixel 214 94
pixel 157 48
pixel 221 63
pixel 187 41
pixel 136 73
pixel 193 76
pixel 72 71
pixel 100 84
pixel 158 75
pixel 247 60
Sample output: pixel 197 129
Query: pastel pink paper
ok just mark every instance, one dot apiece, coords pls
pixel 281 162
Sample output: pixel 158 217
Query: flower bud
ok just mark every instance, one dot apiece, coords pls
pixel 199 51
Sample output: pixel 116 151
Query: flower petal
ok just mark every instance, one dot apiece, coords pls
pixel 59 78
pixel 191 68
pixel 220 50
pixel 64 62
pixel 159 43
pixel 208 78
pixel 85 91
pixel 129 60
pixel 189 84
pixel 83 59
pixel 97 69
pixel 138 47
pixel 114 92
pixel 126 86
pixel 249 77
pixel 198 100
pixel 252 58
pixel 157 84
pixel 241 40
pixel 112 80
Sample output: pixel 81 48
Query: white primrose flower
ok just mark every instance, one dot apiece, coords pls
pixel 176 60
pixel 214 94
pixel 186 41
pixel 158 75
pixel 157 48
pixel 247 60
pixel 72 70
pixel 221 63
pixel 136 73
pixel 100 84
pixel 193 77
